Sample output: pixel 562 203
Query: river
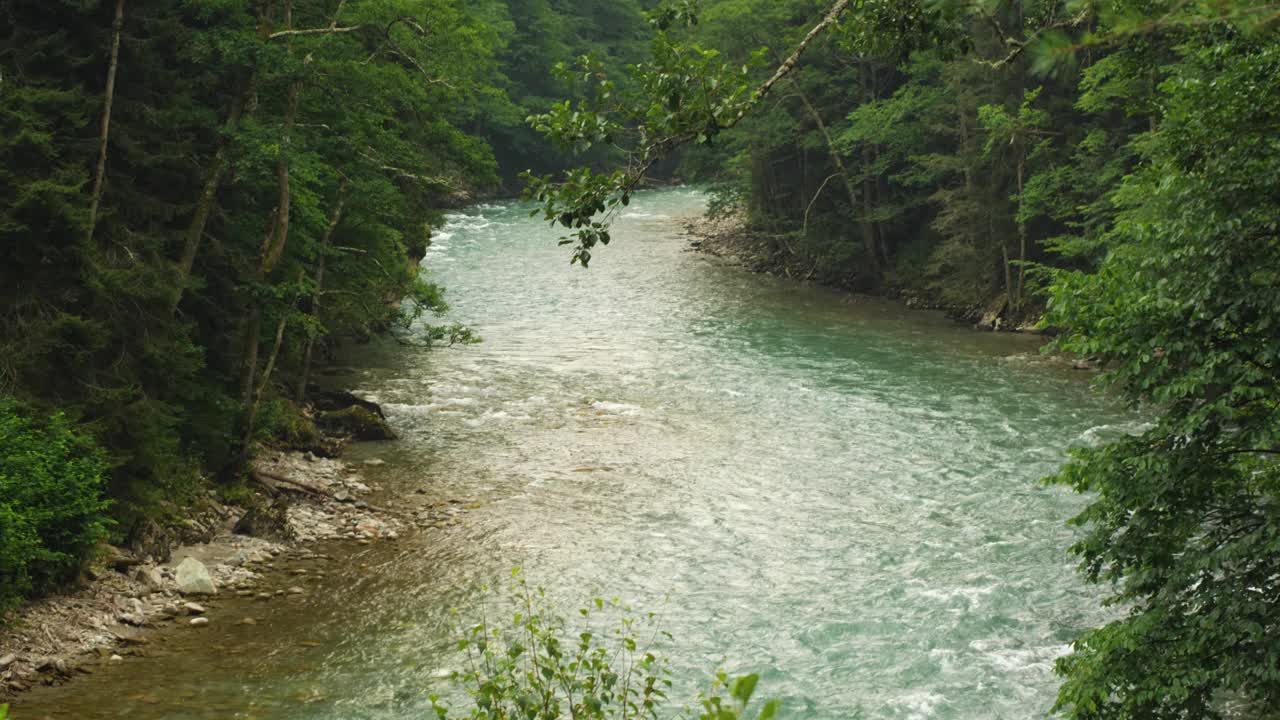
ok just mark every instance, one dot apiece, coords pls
pixel 835 492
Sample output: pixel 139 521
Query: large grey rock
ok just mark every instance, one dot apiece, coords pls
pixel 194 578
pixel 150 577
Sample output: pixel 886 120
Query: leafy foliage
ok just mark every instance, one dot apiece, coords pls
pixel 1126 154
pixel 272 174
pixel 51 503
pixel 1183 522
pixel 536 667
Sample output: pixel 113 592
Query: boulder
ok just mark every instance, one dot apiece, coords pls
pixel 152 539
pixel 357 422
pixel 331 400
pixel 266 520
pixel 304 436
pixel 194 578
pixel 149 577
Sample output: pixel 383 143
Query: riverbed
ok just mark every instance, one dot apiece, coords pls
pixel 835 492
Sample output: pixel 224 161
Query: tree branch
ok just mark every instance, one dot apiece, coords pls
pixel 331 30
pixel 1020 46
pixel 831 18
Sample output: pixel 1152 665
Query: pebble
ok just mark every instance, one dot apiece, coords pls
pixel 199 621
pixel 116 658
pixel 194 608
pixel 295 590
pixel 8 660
pixel 248 621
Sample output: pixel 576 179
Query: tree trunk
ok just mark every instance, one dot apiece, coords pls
pixel 1022 235
pixel 870 181
pixel 204 206
pixel 868 240
pixel 273 248
pixel 105 133
pixel 252 330
pixel 316 294
pixel 273 243
pixel 1004 254
pixel 251 416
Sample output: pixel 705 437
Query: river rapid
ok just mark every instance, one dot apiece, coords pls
pixel 835 492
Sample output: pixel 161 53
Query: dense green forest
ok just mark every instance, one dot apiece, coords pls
pixel 198 198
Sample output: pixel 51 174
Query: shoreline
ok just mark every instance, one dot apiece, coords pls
pixel 729 238
pixel 128 601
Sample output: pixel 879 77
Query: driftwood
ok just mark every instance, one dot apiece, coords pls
pixel 276 483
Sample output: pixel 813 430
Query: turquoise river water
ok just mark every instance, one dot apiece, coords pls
pixel 835 492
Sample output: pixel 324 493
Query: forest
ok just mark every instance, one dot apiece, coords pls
pixel 200 200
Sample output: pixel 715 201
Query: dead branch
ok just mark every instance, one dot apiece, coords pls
pixel 331 30
pixel 274 482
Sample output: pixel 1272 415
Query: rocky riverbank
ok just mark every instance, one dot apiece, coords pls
pixel 731 238
pixel 304 500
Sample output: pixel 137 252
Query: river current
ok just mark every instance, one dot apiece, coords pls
pixel 835 492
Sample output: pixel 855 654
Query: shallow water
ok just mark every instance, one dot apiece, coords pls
pixel 835 492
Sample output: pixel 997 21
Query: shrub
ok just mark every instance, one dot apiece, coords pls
pixel 535 668
pixel 51 504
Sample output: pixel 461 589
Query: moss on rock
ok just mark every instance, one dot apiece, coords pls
pixel 357 422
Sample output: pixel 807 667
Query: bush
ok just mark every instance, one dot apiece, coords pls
pixel 535 668
pixel 51 504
